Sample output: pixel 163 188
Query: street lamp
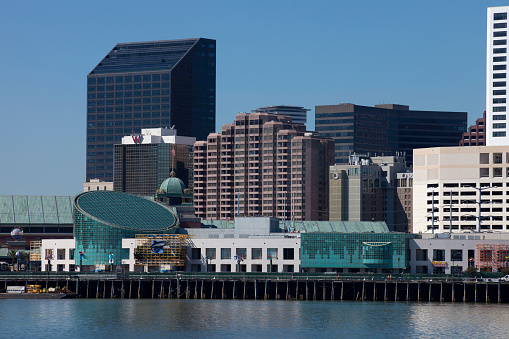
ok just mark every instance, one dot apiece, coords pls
pixel 208 259
pixel 479 202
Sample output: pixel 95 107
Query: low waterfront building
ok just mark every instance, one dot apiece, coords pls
pixel 453 254
pixel 57 255
pixel 103 218
pixel 39 217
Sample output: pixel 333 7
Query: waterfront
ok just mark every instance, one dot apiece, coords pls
pixel 249 318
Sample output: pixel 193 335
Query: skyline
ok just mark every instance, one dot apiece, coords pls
pixel 284 53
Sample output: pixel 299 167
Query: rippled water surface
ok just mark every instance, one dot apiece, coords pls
pixel 249 319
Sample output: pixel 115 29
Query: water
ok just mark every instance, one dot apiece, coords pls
pixel 249 319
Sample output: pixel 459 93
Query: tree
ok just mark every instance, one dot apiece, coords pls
pixel 12 254
pixel 471 271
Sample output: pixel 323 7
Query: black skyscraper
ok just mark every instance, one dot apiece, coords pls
pixel 149 85
pixel 387 129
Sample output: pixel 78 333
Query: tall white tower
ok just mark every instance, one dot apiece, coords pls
pixel 497 133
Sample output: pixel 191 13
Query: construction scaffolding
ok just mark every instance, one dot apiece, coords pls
pixel 35 250
pixel 491 257
pixel 158 249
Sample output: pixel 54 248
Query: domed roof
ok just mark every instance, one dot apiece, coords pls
pixel 126 211
pixel 173 186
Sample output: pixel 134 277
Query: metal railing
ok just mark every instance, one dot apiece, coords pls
pixel 244 276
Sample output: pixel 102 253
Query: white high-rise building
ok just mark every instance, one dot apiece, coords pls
pixel 496 77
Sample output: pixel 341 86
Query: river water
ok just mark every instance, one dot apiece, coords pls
pixel 89 318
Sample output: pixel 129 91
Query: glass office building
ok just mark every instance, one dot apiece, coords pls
pixel 366 252
pixel 103 218
pixel 149 85
pixel 387 129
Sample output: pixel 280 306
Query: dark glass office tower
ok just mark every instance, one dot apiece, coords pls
pixel 387 129
pixel 149 85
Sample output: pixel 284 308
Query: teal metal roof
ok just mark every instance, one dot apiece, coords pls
pixel 315 226
pixel 217 223
pixel 127 211
pixel 36 209
pixel 338 226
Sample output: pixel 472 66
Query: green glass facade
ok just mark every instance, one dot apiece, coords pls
pixel 103 218
pixel 354 250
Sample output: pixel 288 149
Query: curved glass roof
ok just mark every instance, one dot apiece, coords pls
pixel 127 211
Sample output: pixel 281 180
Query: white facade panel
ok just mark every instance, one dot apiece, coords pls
pixel 496 79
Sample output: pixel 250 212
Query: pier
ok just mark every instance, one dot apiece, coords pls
pixel 265 287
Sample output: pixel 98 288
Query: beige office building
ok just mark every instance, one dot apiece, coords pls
pixel 262 165
pixel 371 188
pixel 475 177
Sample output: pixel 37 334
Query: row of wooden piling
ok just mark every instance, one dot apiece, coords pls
pixel 267 289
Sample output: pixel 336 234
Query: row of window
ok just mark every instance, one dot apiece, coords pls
pixel 129 78
pixel 120 88
pixel 121 116
pixel 241 253
pixel 60 253
pixel 120 109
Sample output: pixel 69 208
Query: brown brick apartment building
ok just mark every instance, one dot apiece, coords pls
pixel 257 165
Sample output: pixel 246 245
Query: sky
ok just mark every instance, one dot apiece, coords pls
pixel 430 55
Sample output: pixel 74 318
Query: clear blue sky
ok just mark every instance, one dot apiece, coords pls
pixel 430 55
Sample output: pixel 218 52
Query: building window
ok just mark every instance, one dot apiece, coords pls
pixel 195 253
pixel 242 252
pixel 499 50
pixel 499 33
pixel 210 253
pixel 288 254
pixel 500 42
pixel 271 253
pixel 499 125
pixel 498 134
pixel 499 117
pixel 71 253
pixel 49 254
pixel 438 270
pixel 500 25
pixel 500 16
pixel 438 255
pixel 499 100
pixel 499 91
pixel 499 109
pixel 256 253
pixel 497 158
pixel 61 254
pixel 226 253
pixel 499 76
pixel 499 84
pixel 499 59
pixel 226 267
